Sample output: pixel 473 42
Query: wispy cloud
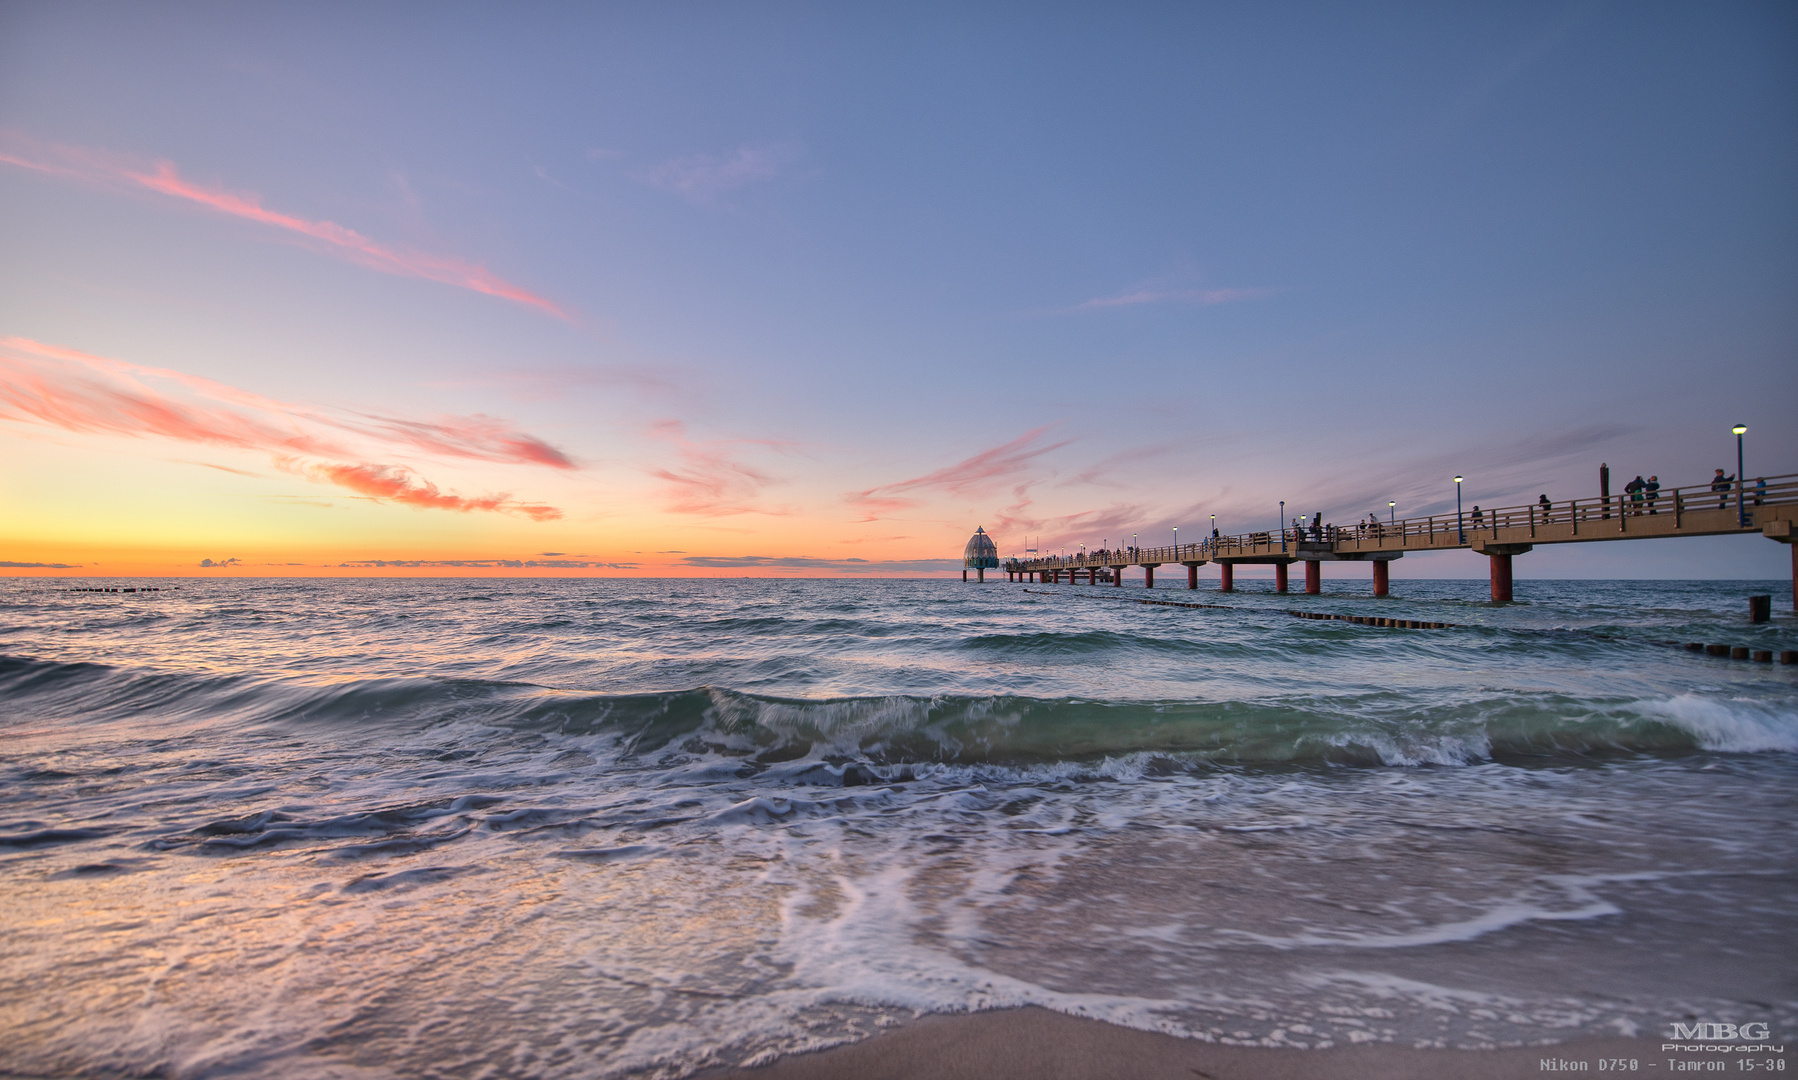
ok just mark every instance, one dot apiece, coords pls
pixel 1190 297
pixel 62 388
pixel 550 384
pixel 709 480
pixel 1111 523
pixel 1110 470
pixel 703 178
pixel 162 177
pixel 39 566
pixel 482 438
pixel 971 476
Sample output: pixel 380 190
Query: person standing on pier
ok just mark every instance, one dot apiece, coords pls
pixel 1721 485
pixel 1634 490
pixel 1652 489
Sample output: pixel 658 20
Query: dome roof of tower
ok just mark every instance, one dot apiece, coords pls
pixel 981 552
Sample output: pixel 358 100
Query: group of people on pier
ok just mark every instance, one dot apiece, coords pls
pixel 1324 532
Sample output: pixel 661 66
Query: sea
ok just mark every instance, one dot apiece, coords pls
pixel 475 828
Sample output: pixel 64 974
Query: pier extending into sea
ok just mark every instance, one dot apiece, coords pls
pixel 1766 507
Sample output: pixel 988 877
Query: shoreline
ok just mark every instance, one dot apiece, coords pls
pixel 1034 1043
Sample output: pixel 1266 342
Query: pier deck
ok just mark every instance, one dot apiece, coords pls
pixel 1500 534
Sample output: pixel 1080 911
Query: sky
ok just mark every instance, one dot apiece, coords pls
pixel 704 290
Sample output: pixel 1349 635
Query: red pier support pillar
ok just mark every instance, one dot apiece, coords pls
pixel 1280 577
pixel 964 575
pixel 1382 580
pixel 1314 576
pixel 1192 576
pixel 1228 582
pixel 1148 577
pixel 982 572
pixel 1117 576
pixel 1501 578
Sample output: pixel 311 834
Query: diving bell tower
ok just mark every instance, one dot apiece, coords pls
pixel 980 555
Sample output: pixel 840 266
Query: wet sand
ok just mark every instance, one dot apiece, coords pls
pixel 1037 1044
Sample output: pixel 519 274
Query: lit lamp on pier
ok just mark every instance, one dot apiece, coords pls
pixel 980 555
pixel 1391 512
pixel 1741 476
pixel 1459 527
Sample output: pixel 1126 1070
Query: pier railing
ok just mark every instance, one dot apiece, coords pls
pixel 1691 510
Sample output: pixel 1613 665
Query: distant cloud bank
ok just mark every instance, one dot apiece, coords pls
pixel 801 562
pixel 506 564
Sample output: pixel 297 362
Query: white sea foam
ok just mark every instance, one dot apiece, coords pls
pixel 1727 724
pixel 1500 917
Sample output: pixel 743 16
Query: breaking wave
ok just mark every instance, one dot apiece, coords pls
pixel 1367 729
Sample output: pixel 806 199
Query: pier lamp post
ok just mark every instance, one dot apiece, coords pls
pixel 1282 524
pixel 1391 512
pixel 1176 541
pixel 1741 477
pixel 1459 527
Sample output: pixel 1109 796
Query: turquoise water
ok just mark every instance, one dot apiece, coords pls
pixel 588 828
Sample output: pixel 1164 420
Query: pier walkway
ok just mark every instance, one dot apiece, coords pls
pixel 1766 507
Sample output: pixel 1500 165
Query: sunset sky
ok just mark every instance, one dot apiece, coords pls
pixel 693 289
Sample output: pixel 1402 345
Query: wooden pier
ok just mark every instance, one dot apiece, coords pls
pixel 1765 507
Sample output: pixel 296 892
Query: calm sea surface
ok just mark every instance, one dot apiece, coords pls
pixel 457 828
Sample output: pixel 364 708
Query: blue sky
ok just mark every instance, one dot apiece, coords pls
pixel 812 282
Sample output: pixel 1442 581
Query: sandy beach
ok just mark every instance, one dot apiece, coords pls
pixel 1037 1044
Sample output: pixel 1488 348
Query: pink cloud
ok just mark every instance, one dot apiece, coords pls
pixel 163 178
pixel 59 387
pixel 394 483
pixel 709 480
pixel 971 476
pixel 480 437
pixel 1112 523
